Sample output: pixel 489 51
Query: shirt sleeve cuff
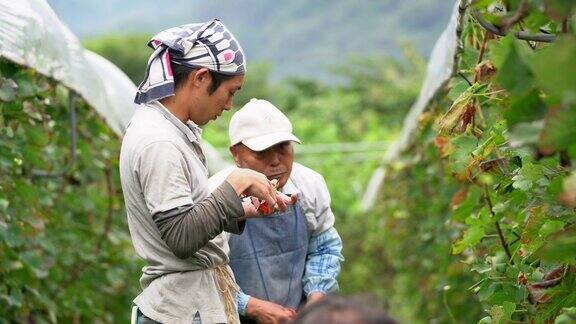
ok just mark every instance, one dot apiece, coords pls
pixel 242 301
pixel 233 207
pixel 325 287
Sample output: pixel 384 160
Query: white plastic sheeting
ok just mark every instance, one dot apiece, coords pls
pixel 32 35
pixel 118 92
pixel 440 69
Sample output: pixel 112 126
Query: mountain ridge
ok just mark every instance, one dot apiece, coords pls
pixel 297 37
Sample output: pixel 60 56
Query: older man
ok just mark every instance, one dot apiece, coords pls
pixel 174 221
pixel 293 257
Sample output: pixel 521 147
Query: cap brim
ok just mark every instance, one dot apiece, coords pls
pixel 260 143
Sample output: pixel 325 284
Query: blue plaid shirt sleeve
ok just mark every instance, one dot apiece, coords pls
pixel 242 302
pixel 323 262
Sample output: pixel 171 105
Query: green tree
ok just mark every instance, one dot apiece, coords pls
pixel 129 52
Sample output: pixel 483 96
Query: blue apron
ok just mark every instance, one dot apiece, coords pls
pixel 268 259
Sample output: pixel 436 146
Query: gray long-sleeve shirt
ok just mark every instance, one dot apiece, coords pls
pixel 162 169
pixel 188 228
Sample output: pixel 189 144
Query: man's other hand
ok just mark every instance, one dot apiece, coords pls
pixel 265 312
pixel 283 201
pixel 314 297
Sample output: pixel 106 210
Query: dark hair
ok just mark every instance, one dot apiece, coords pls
pixel 334 309
pixel 181 72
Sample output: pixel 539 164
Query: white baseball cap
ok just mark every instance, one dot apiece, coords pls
pixel 260 125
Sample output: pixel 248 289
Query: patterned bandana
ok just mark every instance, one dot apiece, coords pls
pixel 207 45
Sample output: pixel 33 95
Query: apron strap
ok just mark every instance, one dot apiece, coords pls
pixel 228 289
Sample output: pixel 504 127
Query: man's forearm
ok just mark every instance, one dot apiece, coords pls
pixel 188 228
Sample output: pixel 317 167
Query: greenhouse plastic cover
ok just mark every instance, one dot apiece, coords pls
pixel 438 72
pixel 32 35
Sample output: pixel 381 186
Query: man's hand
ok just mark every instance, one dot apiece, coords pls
pixel 252 205
pixel 252 183
pixel 266 312
pixel 314 297
pixel 283 201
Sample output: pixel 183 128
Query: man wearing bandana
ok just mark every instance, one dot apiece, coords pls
pixel 293 257
pixel 175 224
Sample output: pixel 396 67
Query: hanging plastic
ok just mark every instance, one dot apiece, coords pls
pixel 440 69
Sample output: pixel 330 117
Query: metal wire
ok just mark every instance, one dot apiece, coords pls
pixel 542 38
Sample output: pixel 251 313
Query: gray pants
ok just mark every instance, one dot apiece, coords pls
pixel 143 319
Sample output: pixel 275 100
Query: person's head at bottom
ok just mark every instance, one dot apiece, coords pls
pixel 335 309
pixel 261 139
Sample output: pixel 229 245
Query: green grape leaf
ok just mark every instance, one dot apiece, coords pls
pixel 529 175
pixel 555 67
pixel 465 208
pixel 8 89
pixel 26 84
pixel 536 218
pixel 514 74
pixel 472 236
pixel 560 247
pixel 560 127
pixel 560 9
pixel 457 90
pixel 525 108
pixel 463 145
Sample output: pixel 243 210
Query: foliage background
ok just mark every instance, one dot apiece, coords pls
pixel 478 214
pixel 65 252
